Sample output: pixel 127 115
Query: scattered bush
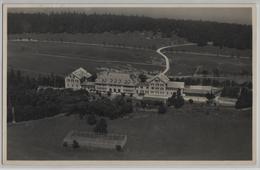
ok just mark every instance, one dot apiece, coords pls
pixel 75 144
pixel 65 144
pixel 178 102
pixel 118 148
pixel 101 127
pixel 162 109
pixel 245 99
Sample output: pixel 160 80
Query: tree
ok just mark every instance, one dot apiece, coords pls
pixel 245 99
pixel 210 96
pixel 162 109
pixel 190 101
pixel 75 144
pixel 142 77
pixel 178 102
pixel 101 126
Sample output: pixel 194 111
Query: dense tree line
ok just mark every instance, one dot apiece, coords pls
pixel 31 103
pixel 221 34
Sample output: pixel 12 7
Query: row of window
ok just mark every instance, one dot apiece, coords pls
pixel 72 85
pixel 157 88
pixel 156 92
pixel 72 80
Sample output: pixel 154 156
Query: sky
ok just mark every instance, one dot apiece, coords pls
pixel 227 15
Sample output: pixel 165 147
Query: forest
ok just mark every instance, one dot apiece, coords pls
pixel 200 32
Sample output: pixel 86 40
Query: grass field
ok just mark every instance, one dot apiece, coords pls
pixel 62 58
pixel 184 134
pixel 186 64
pixel 216 50
pixel 134 39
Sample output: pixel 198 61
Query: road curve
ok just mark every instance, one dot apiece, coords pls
pixel 166 58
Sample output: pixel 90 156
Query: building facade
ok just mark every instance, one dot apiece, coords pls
pixel 158 86
pixel 76 78
pixel 116 82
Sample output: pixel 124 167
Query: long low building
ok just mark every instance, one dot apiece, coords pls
pixel 198 93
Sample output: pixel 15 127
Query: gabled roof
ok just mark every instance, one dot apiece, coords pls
pixel 81 73
pixel 116 78
pixel 175 84
pixel 88 83
pixel 161 76
pixel 198 89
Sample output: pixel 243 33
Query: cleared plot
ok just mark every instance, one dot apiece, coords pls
pixel 186 64
pixel 61 58
pixel 188 133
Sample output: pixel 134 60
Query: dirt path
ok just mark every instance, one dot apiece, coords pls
pixel 166 58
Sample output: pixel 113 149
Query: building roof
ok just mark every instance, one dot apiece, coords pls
pixel 198 89
pixel 175 84
pixel 81 73
pixel 143 84
pixel 161 76
pixel 88 83
pixel 116 78
pixel 155 98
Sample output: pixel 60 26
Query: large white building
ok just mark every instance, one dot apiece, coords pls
pixel 75 79
pixel 158 87
pixel 116 82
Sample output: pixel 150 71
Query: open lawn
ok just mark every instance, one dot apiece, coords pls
pixel 60 58
pixel 184 134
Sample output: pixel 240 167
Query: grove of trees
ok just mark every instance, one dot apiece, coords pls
pixel 221 34
pixel 31 103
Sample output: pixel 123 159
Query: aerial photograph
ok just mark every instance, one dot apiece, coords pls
pixel 129 83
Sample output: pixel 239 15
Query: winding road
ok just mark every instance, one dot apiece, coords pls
pixel 166 58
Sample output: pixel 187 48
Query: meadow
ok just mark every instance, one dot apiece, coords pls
pixel 132 51
pixel 60 58
pixel 193 132
pixel 186 64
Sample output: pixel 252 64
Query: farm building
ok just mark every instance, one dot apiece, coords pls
pixel 95 140
pixel 198 93
pixel 74 79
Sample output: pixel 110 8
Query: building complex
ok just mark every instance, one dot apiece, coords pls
pixel 155 87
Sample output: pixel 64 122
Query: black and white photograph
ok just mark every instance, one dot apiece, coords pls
pixel 129 83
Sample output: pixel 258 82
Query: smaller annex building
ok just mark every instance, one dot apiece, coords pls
pixel 198 93
pixel 76 78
